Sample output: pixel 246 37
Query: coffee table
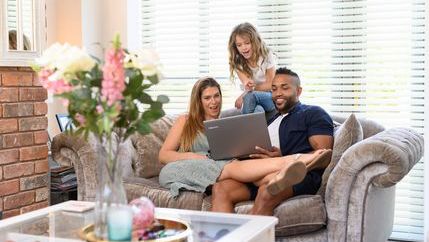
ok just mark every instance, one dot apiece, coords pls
pixel 55 224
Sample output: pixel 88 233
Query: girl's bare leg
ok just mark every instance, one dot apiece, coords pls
pixel 254 170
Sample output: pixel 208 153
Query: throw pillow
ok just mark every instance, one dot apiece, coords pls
pixel 347 134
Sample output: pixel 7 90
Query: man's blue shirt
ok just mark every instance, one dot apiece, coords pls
pixel 302 122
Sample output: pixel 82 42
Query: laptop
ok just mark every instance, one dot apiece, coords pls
pixel 64 122
pixel 237 136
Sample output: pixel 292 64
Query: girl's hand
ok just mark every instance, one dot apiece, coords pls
pixel 249 86
pixel 195 156
pixel 239 102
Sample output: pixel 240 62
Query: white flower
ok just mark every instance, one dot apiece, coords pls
pixel 65 60
pixel 146 60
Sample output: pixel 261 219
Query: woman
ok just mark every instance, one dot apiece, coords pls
pixel 185 152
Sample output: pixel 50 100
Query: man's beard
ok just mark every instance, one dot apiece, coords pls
pixel 290 103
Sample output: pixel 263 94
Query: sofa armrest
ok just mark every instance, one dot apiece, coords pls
pixel 397 150
pixel 73 150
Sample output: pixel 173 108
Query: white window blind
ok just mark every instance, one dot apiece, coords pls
pixel 356 56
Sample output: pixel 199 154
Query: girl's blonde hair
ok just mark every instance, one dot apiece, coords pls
pixel 196 115
pixel 236 60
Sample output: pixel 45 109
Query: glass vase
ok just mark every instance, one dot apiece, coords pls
pixel 110 191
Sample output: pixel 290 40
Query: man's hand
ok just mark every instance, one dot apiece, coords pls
pixel 263 153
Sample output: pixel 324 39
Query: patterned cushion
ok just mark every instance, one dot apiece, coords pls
pixel 349 133
pixel 300 214
pixel 136 187
pixel 146 162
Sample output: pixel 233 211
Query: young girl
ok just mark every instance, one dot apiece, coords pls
pixel 186 148
pixel 255 66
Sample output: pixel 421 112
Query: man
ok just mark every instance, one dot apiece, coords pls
pixel 296 128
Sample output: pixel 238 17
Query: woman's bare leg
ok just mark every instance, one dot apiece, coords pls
pixel 254 170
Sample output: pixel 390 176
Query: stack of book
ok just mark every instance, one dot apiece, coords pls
pixel 63 179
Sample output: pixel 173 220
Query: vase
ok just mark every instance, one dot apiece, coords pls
pixel 110 191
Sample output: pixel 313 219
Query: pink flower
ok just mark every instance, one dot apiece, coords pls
pixel 113 83
pixel 80 118
pixel 99 109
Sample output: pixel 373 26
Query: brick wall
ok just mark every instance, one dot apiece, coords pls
pixel 23 137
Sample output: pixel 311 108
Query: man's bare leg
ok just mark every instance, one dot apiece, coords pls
pixel 226 193
pixel 265 202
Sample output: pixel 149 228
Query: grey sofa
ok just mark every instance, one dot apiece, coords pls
pixel 355 202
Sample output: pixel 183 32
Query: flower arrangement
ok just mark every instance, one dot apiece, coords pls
pixel 101 98
pixel 107 100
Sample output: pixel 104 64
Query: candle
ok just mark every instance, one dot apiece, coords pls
pixel 120 223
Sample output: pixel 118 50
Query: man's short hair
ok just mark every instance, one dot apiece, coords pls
pixel 286 71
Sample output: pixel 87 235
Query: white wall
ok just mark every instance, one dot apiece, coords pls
pixel 64 26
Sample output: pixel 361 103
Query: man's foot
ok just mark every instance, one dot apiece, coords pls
pixel 320 161
pixel 293 173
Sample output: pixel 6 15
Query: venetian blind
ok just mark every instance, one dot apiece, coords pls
pixel 355 56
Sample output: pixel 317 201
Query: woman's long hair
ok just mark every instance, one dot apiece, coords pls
pixel 196 115
pixel 259 48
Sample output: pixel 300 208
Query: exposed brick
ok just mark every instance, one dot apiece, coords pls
pixel 33 94
pixel 41 166
pixel 33 153
pixel 36 81
pixel 17 110
pixel 18 170
pixel 42 194
pixel 40 108
pixel 1 142
pixel 35 123
pixel 8 94
pixel 1 109
pixel 28 183
pixel 18 200
pixel 17 79
pixel 17 140
pixel 41 137
pixel 8 68
pixel 1 204
pixel 9 156
pixel 1 173
pixel 25 68
pixel 8 125
pixel 34 207
pixel 9 187
pixel 11 213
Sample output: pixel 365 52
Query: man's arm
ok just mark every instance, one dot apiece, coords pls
pixel 321 142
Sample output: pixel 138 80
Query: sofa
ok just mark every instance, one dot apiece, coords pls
pixel 355 201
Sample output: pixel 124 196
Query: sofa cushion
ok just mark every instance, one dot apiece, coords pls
pixel 136 187
pixel 347 134
pixel 147 147
pixel 297 215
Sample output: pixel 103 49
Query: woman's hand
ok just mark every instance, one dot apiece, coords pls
pixel 196 156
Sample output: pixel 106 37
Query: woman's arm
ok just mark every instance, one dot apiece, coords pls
pixel 266 85
pixel 168 152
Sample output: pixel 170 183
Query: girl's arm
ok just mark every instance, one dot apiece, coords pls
pixel 266 85
pixel 168 152
pixel 248 83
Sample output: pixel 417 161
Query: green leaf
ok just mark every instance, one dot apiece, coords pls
pixel 143 128
pixel 153 79
pixel 162 99
pixel 145 98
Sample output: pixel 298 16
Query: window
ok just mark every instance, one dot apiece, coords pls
pixel 23 31
pixel 363 57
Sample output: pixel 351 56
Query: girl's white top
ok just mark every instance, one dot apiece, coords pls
pixel 261 69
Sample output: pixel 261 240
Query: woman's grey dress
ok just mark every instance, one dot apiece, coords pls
pixel 194 175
